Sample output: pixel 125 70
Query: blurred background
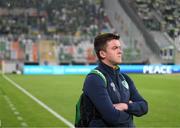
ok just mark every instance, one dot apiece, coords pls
pixel 60 33
pixel 57 32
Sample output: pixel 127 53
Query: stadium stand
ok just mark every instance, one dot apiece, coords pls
pixel 135 50
pixel 151 19
pixel 52 16
pixel 160 15
pixel 47 49
pixel 72 24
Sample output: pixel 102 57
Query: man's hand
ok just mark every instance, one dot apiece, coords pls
pixel 121 106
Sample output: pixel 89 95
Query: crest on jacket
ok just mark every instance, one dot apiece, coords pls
pixel 125 84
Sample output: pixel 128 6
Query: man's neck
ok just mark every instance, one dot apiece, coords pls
pixel 110 65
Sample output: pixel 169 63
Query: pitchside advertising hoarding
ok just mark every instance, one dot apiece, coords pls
pixel 82 69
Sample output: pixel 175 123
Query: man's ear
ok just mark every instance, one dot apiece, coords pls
pixel 102 54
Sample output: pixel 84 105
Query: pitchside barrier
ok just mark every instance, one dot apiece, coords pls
pixel 82 69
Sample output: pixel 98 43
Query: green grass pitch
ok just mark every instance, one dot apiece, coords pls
pixel 61 92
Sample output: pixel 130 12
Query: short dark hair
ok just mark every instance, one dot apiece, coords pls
pixel 101 40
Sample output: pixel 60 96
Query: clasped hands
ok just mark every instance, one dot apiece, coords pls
pixel 122 106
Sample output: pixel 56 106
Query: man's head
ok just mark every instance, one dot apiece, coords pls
pixel 108 48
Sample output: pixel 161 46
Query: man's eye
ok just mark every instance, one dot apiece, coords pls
pixel 115 47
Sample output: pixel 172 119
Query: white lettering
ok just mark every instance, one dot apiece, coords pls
pixel 162 69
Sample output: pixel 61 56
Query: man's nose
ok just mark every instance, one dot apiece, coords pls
pixel 120 50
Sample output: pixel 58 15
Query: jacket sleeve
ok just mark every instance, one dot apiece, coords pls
pixel 139 106
pixel 94 88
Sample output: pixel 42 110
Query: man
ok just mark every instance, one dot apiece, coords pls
pixel 117 103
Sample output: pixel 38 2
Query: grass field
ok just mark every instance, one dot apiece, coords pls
pixel 60 93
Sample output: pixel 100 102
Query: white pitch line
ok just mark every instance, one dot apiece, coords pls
pixel 24 124
pixel 40 102
pixel 19 118
pixel 16 113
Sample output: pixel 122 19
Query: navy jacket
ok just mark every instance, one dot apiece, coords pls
pixel 102 98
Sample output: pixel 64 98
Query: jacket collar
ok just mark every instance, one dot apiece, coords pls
pixel 109 69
